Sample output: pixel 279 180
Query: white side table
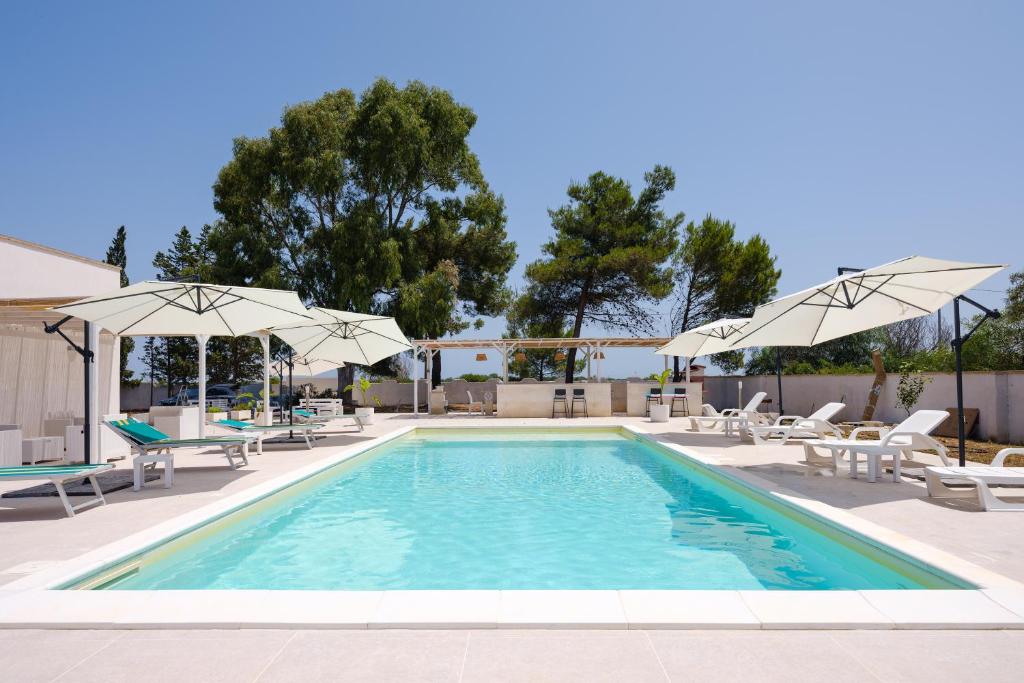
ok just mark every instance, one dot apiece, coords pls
pixel 40 448
pixel 10 445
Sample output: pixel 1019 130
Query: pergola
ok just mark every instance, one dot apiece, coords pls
pixel 507 347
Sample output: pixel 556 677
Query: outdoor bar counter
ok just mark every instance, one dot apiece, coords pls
pixel 534 399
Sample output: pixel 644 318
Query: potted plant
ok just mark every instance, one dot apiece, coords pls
pixel 214 414
pixel 660 412
pixel 364 412
pixel 244 403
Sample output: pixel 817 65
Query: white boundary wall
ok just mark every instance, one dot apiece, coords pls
pixel 999 396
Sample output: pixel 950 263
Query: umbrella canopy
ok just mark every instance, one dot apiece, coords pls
pixel 858 301
pixel 707 339
pixel 314 366
pixel 154 308
pixel 344 337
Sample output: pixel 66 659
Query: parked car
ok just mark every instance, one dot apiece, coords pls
pixel 225 392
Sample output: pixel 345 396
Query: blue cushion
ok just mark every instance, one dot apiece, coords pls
pixel 140 431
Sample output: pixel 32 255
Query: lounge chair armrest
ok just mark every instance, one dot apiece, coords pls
pixel 791 418
pixel 881 431
pixel 917 441
pixel 729 411
pixel 1001 456
pixel 814 423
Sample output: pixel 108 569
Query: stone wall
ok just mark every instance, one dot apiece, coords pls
pixel 998 396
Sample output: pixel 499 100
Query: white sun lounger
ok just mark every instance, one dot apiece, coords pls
pixel 901 441
pixel 982 477
pixel 730 418
pixel 58 475
pixel 814 426
pixel 153 448
pixel 261 432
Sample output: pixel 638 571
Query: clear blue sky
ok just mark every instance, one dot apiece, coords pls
pixel 846 134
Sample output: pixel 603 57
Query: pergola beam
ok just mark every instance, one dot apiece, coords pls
pixel 543 343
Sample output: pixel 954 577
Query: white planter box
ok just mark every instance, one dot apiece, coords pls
pixel 240 414
pixel 659 413
pixel 216 417
pixel 365 415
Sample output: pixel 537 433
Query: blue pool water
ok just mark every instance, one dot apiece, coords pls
pixel 529 512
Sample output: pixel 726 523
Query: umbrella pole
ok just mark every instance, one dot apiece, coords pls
pixel 958 343
pixel 778 375
pixel 291 414
pixel 201 340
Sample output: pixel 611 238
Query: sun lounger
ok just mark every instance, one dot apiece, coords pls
pixel 58 475
pixel 153 447
pixel 260 432
pixel 730 418
pixel 982 478
pixel 307 416
pixel 901 441
pixel 814 426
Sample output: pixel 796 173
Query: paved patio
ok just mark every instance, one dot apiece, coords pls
pixel 35 534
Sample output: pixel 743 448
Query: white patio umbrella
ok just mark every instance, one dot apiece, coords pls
pixel 859 300
pixel 707 339
pixel 310 366
pixel 344 337
pixel 158 309
pixel 313 367
pixel 714 337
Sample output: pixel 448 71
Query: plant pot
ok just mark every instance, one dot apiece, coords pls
pixel 240 414
pixel 216 417
pixel 365 415
pixel 660 413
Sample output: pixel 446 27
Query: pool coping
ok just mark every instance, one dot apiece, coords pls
pixel 30 602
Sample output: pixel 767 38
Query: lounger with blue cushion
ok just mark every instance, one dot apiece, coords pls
pixel 58 475
pixel 309 416
pixel 260 432
pixel 303 415
pixel 153 447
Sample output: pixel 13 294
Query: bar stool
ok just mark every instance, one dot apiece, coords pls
pixel 680 395
pixel 653 396
pixel 578 395
pixel 559 400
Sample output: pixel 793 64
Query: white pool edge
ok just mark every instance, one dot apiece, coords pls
pixel 30 602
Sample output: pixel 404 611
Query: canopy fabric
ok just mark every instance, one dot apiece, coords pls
pixel 854 302
pixel 314 366
pixel 707 339
pixel 155 308
pixel 344 337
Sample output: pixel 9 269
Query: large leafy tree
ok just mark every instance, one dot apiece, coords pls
pixel 117 255
pixel 606 262
pixel 719 276
pixel 375 205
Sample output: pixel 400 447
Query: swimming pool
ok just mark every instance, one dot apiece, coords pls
pixel 513 509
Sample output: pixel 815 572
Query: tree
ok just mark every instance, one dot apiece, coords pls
pixel 375 205
pixel 849 354
pixel 719 276
pixel 117 256
pixel 910 387
pixel 540 364
pixel 175 359
pixel 606 261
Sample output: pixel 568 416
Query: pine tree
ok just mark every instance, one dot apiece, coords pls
pixel 118 256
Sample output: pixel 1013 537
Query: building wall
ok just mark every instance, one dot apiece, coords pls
pixel 998 396
pixel 32 271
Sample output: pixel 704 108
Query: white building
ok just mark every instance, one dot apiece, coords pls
pixel 42 377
